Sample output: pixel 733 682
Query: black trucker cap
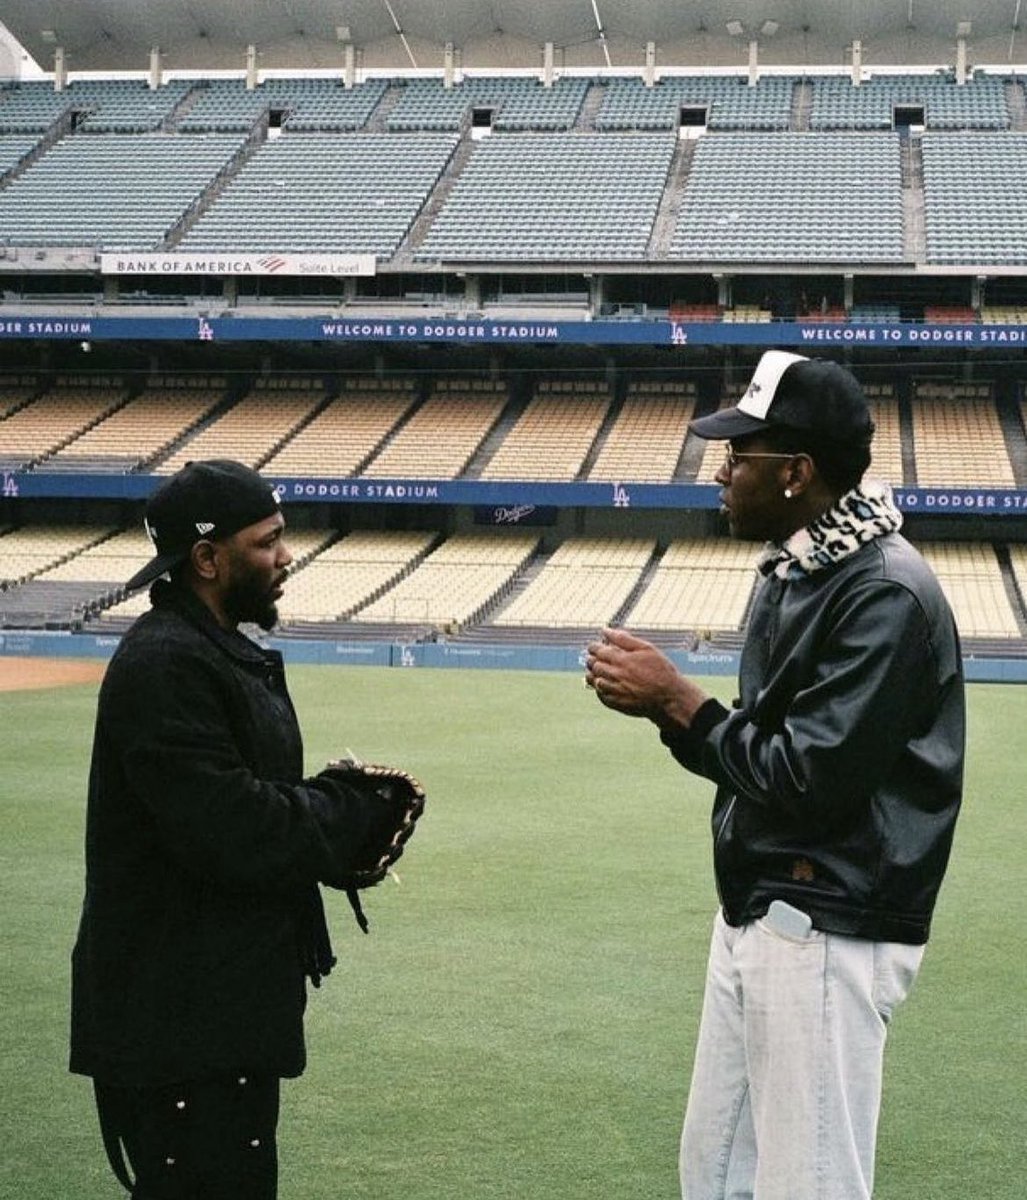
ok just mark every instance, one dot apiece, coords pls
pixel 208 499
pixel 800 393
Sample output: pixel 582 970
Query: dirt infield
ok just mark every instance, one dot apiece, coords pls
pixel 34 674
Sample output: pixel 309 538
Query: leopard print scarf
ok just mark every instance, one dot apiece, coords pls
pixel 859 516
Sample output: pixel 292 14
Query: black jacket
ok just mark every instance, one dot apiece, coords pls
pixel 204 845
pixel 840 770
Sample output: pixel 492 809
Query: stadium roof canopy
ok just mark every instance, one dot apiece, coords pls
pixel 200 35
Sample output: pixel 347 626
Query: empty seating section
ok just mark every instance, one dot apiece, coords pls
pixel 110 561
pixel 553 196
pixel 346 431
pixel 971 578
pixel 1004 314
pixel 980 103
pixel 886 461
pixel 700 584
pixel 31 107
pixel 125 105
pixel 42 427
pixel 553 435
pixel 351 572
pixel 441 437
pixel 15 391
pixel 958 438
pixel 252 429
pixel 681 311
pixel 729 100
pixel 585 583
pixel 875 314
pixel 516 104
pixel 224 104
pixel 815 197
pixel 326 103
pixel 102 105
pixel 644 443
pixel 356 193
pixel 26 552
pixel 140 430
pixel 974 184
pixel 454 583
pixel 13 148
pixel 118 192
pixel 748 314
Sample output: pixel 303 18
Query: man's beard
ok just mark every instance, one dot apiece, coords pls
pixel 242 603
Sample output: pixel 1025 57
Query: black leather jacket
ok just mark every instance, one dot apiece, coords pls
pixel 204 846
pixel 839 772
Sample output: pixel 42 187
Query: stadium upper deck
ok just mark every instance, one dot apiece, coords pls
pixel 903 172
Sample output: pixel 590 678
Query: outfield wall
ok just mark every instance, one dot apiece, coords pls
pixel 493 656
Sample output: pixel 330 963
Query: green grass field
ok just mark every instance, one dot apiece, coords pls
pixel 520 1022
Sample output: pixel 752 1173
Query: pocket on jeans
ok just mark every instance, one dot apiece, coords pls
pixel 895 967
pixel 789 924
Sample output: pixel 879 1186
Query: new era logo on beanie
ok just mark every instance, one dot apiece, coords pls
pixel 790 390
pixel 215 498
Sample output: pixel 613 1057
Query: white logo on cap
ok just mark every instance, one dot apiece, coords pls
pixel 204 527
pixel 761 391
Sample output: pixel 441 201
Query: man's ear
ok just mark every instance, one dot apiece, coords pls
pixel 799 474
pixel 203 558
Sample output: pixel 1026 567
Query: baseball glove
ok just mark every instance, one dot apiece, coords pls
pixel 396 801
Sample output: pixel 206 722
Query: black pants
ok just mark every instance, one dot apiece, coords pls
pixel 213 1140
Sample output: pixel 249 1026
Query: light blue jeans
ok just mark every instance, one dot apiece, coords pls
pixel 786 1086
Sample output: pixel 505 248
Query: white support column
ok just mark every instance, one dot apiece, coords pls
pixel 251 67
pixel 857 63
pixel 977 292
pixel 349 72
pixel 448 66
pixel 850 292
pixel 650 64
pixel 754 62
pixel 156 71
pixel 547 64
pixel 961 60
pixel 60 70
pixel 472 293
pixel 596 295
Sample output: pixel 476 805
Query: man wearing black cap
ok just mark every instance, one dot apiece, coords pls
pixel 839 777
pixel 205 846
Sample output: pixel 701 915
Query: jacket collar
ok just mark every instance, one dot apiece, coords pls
pixel 189 606
pixel 859 516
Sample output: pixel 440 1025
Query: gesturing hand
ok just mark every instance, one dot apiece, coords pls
pixel 630 675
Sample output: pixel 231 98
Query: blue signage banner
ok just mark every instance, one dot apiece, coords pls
pixel 518 502
pixel 487 332
pixel 515 514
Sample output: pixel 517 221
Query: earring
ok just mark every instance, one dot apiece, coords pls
pixel 788 493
